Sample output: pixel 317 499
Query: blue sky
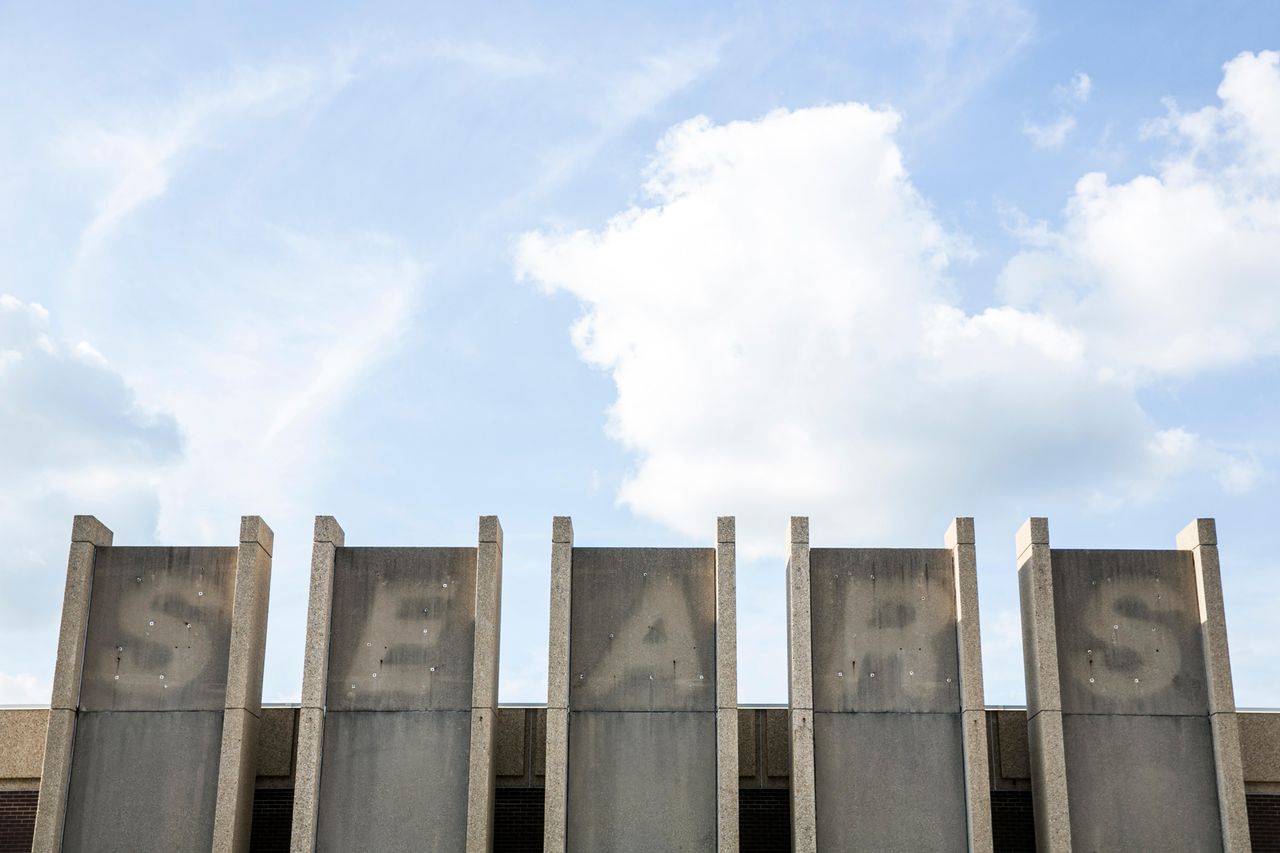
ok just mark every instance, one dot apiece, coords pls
pixel 880 264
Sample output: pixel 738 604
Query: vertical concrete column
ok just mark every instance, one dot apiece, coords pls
pixel 557 762
pixel 1200 537
pixel 328 538
pixel 1044 695
pixel 804 828
pixel 87 533
pixel 726 686
pixel 484 685
pixel 959 539
pixel 238 762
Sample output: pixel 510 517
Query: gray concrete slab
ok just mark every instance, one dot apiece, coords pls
pixel 642 781
pixel 642 630
pixel 1129 639
pixel 394 781
pixel 884 630
pixel 143 781
pixel 402 630
pixel 889 781
pixel 159 629
pixel 1141 783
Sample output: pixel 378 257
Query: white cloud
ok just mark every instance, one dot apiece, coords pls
pixel 24 689
pixel 782 334
pixel 73 439
pixel 1075 91
pixel 1050 135
pixel 133 154
pixel 1174 274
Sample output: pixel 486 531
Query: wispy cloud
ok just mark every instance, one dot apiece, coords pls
pixel 1071 96
pixel 135 152
pixel 1050 135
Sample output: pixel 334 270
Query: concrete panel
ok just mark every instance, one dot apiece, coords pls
pixel 394 781
pixel 1141 783
pixel 143 781
pixel 642 781
pixel 642 630
pixel 1129 638
pixel 403 629
pixel 889 782
pixel 1259 746
pixel 159 629
pixel 22 733
pixel 884 630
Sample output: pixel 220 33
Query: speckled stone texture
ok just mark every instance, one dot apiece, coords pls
pixel 555 805
pixel 1200 537
pixel 804 832
pixel 804 820
pixel 328 537
pixel 726 685
pixel 961 540
pixel 484 691
pixel 238 759
pixel 1044 700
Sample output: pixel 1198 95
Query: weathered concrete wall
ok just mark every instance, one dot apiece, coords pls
pixel 152 734
pixel 149 733
pixel 1124 752
pixel 397 729
pixel 886 700
pixel 398 723
pixel 144 781
pixel 642 700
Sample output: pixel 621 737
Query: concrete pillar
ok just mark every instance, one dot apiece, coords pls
pixel 645 733
pixel 804 829
pixel 399 694
pixel 1200 537
pixel 1128 680
pixel 1044 698
pixel 238 762
pixel 959 539
pixel 328 537
pixel 557 761
pixel 484 685
pixel 87 534
pixel 726 685
pixel 887 668
pixel 159 678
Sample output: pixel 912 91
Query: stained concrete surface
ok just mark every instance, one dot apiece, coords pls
pixel 642 630
pixel 143 781
pixel 642 781
pixel 394 781
pixel 888 781
pixel 403 629
pixel 1129 639
pixel 884 630
pixel 1141 783
pixel 159 629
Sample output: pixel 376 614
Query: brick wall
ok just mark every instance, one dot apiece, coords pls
pixel 17 820
pixel 272 820
pixel 1264 822
pixel 1013 825
pixel 517 820
pixel 764 819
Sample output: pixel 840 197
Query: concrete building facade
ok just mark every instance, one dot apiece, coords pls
pixel 156 738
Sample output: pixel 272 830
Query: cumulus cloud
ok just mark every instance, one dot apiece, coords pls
pixel 782 333
pixel 63 410
pixel 1174 274
pixel 73 439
